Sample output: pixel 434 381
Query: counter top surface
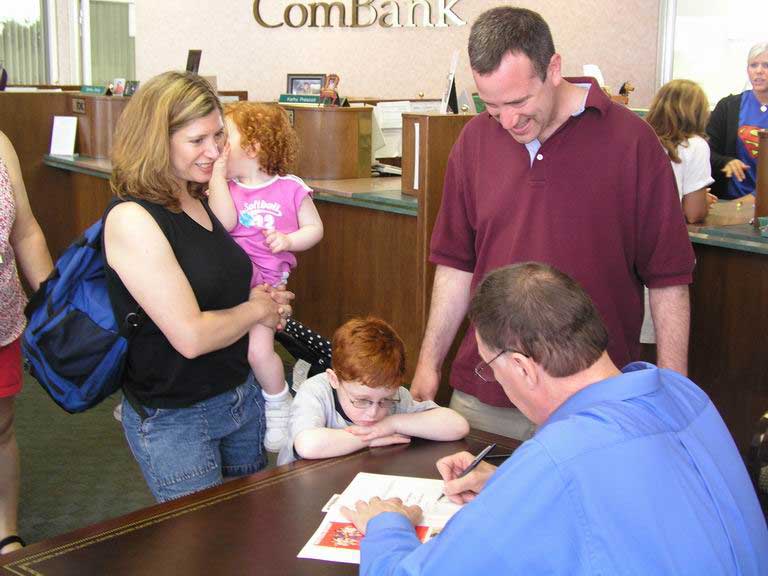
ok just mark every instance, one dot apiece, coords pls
pixel 728 226
pixel 379 193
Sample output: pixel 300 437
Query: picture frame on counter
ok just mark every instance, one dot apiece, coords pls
pixel 305 84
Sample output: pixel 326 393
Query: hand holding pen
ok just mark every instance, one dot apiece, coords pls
pixel 465 475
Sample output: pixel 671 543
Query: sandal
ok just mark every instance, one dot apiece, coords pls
pixel 12 539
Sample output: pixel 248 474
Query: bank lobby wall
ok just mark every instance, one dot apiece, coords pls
pixel 384 62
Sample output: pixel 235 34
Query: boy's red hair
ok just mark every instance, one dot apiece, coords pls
pixel 268 126
pixel 369 351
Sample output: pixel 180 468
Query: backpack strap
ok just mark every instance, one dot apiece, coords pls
pixel 132 321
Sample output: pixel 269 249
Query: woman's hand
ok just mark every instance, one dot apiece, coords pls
pixel 735 169
pixel 274 304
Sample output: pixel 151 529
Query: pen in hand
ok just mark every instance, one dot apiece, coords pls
pixel 472 465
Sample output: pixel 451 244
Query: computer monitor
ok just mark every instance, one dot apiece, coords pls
pixel 193 60
pixel 377 136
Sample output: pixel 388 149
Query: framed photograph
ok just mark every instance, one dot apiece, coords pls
pixel 130 87
pixel 118 86
pixel 305 84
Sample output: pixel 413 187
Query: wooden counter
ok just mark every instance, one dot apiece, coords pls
pixel 729 309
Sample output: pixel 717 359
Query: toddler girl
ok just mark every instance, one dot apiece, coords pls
pixel 270 214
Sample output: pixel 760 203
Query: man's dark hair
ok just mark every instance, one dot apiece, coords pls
pixel 535 309
pixel 506 29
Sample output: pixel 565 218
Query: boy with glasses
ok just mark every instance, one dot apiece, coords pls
pixel 361 401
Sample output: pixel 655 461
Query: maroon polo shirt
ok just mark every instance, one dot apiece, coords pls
pixel 599 203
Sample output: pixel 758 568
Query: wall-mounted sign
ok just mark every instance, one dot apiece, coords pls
pixel 362 13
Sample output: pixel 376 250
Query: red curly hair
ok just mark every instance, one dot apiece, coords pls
pixel 369 351
pixel 267 126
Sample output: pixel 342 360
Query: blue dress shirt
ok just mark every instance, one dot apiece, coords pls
pixel 635 474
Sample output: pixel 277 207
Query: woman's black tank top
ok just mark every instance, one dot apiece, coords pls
pixel 220 275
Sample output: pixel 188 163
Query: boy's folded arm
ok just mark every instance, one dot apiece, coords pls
pixel 316 443
pixel 434 424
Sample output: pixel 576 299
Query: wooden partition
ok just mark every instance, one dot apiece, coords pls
pixel 729 307
pixel 65 203
pixel 423 177
pixel 96 120
pixel 376 262
pixel 335 142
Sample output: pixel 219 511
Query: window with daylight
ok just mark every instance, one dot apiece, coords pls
pixel 23 41
pixel 112 41
pixel 707 41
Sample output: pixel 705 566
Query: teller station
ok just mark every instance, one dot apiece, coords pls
pixel 373 258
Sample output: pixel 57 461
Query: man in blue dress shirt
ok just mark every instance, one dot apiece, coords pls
pixel 629 472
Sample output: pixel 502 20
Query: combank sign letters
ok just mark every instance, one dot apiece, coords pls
pixel 364 13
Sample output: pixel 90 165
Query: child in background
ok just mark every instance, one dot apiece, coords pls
pixel 270 214
pixel 360 402
pixel 679 115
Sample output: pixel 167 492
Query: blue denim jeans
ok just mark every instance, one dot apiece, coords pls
pixel 184 450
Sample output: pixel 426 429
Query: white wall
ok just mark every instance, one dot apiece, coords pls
pixel 712 40
pixel 385 63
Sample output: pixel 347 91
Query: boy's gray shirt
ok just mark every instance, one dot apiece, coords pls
pixel 313 407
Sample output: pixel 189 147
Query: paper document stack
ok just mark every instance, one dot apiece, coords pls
pixel 337 539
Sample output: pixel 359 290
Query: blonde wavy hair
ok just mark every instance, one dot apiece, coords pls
pixel 267 129
pixel 679 111
pixel 141 158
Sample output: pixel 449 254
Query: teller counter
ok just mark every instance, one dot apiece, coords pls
pixel 729 312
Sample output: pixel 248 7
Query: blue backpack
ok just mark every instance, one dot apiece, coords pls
pixel 73 345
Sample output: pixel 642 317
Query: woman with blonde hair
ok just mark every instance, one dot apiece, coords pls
pixel 678 115
pixel 192 412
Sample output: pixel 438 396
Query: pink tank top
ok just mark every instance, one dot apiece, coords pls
pixel 12 297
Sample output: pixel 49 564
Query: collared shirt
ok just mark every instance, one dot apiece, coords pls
pixel 599 203
pixel 636 474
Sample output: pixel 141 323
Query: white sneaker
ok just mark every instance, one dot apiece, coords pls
pixel 117 413
pixel 300 373
pixel 278 414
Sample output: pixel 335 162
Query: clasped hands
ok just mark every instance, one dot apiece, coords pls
pixel 275 302
pixel 458 490
pixel 382 433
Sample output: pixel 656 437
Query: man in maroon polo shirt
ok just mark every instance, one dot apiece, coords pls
pixel 553 172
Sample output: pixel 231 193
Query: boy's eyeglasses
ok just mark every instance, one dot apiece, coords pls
pixel 484 370
pixel 365 403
